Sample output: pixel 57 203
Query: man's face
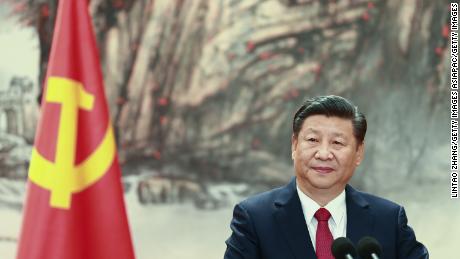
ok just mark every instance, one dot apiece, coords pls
pixel 325 154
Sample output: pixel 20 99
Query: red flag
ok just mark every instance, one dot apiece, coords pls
pixel 74 207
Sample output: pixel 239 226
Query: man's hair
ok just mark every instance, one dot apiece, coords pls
pixel 331 106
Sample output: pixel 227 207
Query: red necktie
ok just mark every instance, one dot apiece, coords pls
pixel 323 235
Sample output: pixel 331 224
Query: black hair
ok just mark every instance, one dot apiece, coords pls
pixel 331 106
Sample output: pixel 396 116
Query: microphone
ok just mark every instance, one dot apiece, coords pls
pixel 343 248
pixel 369 248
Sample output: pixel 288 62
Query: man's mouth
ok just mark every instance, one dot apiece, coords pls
pixel 322 169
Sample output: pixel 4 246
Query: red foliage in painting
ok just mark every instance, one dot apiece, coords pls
pixel 118 4
pixel 445 31
pixel 156 154
pixel 265 55
pixel 44 10
pixel 250 46
pixel 365 17
pixel 438 51
pixel 163 101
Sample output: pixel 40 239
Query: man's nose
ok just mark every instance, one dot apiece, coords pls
pixel 324 153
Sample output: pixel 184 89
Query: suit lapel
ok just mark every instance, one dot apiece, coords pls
pixel 360 220
pixel 289 216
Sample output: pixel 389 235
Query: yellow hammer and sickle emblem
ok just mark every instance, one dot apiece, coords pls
pixel 63 178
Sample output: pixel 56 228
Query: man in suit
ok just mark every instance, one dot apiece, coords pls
pixel 301 219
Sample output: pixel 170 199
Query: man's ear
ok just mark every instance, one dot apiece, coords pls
pixel 293 145
pixel 360 153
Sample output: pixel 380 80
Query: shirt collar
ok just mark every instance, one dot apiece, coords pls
pixel 337 207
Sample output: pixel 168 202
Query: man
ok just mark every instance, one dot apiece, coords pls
pixel 301 219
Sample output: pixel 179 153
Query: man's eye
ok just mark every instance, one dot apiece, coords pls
pixel 312 140
pixel 337 143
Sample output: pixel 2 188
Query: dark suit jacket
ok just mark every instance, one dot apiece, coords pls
pixel 271 225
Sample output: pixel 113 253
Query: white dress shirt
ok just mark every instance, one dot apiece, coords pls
pixel 338 209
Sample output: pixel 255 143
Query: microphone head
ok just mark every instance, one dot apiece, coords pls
pixel 341 247
pixel 368 246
